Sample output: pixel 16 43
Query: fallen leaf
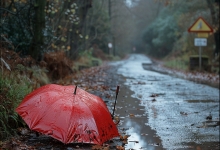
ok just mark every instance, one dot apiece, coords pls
pixel 125 137
pixel 153 100
pixel 97 147
pixel 120 148
pixel 154 95
pixel 132 115
pixel 121 138
pixel 23 131
pixel 183 113
pixel 209 117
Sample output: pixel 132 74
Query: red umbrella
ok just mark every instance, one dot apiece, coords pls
pixel 68 115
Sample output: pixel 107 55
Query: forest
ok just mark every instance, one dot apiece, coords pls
pixel 154 27
pixel 43 41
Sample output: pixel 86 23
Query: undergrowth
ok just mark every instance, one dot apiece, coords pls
pixel 13 88
pixel 177 64
pixel 86 58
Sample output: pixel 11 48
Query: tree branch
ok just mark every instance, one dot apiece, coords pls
pixel 1 8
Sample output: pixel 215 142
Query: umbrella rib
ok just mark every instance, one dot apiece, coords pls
pixel 85 103
pixel 103 105
pixel 72 107
pixel 75 99
pixel 92 115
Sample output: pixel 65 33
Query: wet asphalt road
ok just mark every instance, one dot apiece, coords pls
pixel 160 111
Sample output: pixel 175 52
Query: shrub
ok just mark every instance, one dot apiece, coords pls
pixel 12 91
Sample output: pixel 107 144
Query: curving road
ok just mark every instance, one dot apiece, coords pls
pixel 160 111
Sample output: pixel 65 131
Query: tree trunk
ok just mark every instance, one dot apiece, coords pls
pixel 39 25
pixel 215 22
pixel 84 6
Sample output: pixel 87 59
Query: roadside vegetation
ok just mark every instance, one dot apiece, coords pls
pixel 42 41
pixel 13 89
pixel 167 37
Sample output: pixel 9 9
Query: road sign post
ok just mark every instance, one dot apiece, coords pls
pixel 202 28
pixel 200 42
pixel 200 58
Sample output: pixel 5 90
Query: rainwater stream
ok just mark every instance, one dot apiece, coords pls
pixel 164 112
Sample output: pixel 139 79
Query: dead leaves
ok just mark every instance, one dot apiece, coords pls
pixel 99 147
pixel 153 100
pixel 23 131
pixel 91 79
pixel 139 83
pixel 183 113
pixel 116 120
pixel 16 144
pixel 209 117
pixel 120 148
pixel 154 95
pixel 124 139
pixel 106 147
pixel 131 115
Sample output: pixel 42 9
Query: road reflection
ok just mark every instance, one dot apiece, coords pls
pixel 137 140
pixel 178 113
pixel 134 121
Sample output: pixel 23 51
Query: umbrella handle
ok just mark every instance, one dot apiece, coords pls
pixel 117 91
pixel 75 90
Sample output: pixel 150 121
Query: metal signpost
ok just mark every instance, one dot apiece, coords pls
pixel 202 28
pixel 200 42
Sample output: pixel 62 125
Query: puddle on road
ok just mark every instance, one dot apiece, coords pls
pixel 133 120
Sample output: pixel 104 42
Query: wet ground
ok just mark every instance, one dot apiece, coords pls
pixel 164 112
pixel 156 111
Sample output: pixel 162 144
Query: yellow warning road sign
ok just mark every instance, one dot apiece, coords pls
pixel 200 25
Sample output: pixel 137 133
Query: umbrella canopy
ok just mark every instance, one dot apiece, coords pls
pixel 68 116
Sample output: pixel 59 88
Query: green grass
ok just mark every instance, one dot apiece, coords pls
pixel 13 88
pixel 180 64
